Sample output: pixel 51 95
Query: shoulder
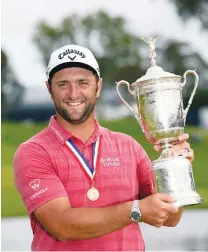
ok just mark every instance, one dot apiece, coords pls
pixel 121 138
pixel 125 144
pixel 35 146
pixel 41 139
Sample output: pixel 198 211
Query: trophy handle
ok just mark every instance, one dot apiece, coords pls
pixel 193 92
pixel 137 116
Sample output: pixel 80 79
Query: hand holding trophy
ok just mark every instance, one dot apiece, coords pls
pixel 162 118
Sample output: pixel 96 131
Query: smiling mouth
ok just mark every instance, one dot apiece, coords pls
pixel 73 104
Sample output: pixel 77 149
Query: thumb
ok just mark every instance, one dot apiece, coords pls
pixel 157 147
pixel 165 197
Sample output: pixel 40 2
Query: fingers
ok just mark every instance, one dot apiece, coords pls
pixel 186 152
pixel 183 137
pixel 166 204
pixel 161 220
pixel 189 154
pixel 170 208
pixel 157 147
pixel 165 197
pixel 181 143
pixel 157 208
pixel 166 209
pixel 181 148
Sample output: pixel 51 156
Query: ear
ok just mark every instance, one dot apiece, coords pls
pixel 49 89
pixel 48 86
pixel 99 87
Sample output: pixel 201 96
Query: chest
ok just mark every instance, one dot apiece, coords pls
pixel 116 175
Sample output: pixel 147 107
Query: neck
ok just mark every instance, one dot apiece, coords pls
pixel 82 131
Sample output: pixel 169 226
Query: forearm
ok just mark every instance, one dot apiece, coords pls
pixel 87 223
pixel 173 219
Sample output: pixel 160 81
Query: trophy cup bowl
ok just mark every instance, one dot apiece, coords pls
pixel 162 117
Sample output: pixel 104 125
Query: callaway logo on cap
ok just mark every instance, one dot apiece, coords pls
pixel 72 56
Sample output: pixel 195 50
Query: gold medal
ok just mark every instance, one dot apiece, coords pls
pixel 93 194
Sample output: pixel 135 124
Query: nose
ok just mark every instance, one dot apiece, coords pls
pixel 73 91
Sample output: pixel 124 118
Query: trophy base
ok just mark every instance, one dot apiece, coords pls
pixel 174 176
pixel 188 202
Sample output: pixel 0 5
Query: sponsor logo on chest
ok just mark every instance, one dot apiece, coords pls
pixel 110 161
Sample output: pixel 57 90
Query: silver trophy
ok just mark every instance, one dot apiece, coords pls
pixel 162 118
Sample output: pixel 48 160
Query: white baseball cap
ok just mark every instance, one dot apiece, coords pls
pixel 72 56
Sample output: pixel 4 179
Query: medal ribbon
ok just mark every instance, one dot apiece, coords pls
pixel 88 170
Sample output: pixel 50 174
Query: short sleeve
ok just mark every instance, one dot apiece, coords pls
pixel 35 176
pixel 144 171
pixel 146 178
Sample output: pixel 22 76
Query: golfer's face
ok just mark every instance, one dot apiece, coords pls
pixel 74 92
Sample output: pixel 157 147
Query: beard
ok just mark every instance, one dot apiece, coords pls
pixel 63 112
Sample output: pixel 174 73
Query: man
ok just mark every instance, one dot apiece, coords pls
pixel 81 182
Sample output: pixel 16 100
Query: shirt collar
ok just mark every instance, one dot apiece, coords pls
pixel 62 135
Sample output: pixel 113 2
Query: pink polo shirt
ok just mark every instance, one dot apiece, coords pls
pixel 45 169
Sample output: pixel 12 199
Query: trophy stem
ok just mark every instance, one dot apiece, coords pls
pixel 166 145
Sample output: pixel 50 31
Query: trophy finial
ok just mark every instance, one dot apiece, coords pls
pixel 152 54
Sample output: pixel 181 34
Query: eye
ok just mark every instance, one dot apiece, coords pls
pixel 83 83
pixel 61 84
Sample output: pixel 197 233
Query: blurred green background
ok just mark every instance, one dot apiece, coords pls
pixel 15 133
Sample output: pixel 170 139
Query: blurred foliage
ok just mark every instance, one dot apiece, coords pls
pixel 177 58
pixel 120 54
pixel 188 9
pixel 116 49
pixel 11 89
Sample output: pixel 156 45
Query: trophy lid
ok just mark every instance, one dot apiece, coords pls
pixel 154 72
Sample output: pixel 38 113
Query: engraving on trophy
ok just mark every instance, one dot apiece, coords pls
pixel 162 117
pixel 162 113
pixel 192 178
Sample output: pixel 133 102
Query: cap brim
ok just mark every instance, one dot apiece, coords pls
pixel 71 64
